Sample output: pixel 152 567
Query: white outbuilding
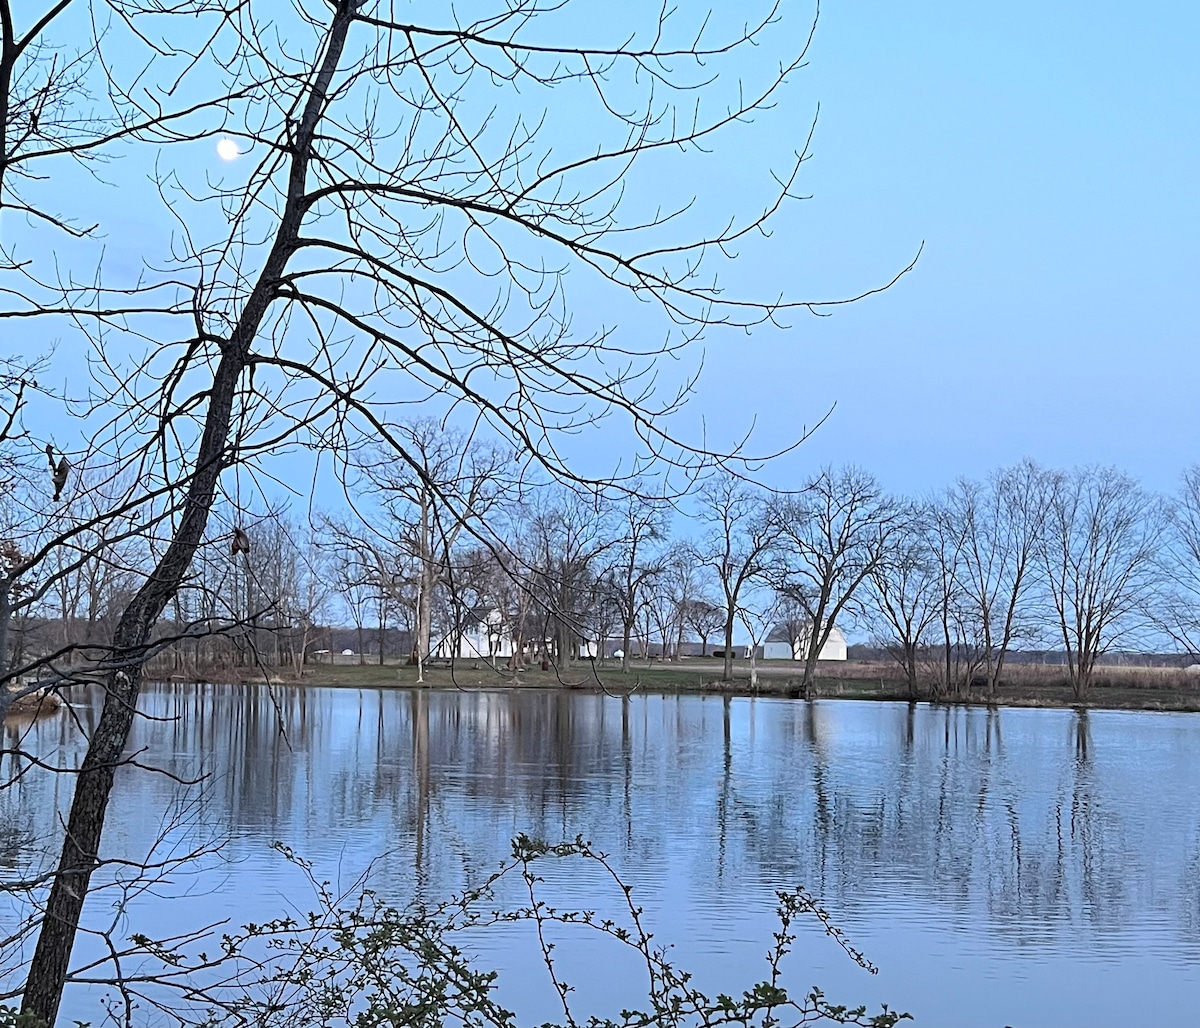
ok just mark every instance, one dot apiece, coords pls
pixel 783 649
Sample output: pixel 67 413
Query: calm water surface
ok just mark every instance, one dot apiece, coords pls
pixel 1020 867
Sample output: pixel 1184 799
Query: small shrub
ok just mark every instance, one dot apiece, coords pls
pixel 356 961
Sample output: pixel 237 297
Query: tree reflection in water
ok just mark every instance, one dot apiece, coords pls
pixel 999 837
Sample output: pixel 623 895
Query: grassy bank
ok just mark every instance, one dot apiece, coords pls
pixel 1115 688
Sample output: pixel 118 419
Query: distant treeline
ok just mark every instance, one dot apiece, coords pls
pixel 1026 565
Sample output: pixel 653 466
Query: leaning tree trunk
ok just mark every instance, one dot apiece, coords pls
pixel 817 637
pixel 812 650
pixel 80 853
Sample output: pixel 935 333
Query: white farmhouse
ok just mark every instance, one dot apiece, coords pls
pixel 484 636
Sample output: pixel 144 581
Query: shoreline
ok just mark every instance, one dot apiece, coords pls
pixel 1135 692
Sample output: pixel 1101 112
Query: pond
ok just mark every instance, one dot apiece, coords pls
pixel 1031 867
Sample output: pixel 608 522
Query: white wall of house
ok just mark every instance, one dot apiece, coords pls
pixel 479 640
pixel 475 644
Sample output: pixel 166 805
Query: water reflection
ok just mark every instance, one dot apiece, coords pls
pixel 950 841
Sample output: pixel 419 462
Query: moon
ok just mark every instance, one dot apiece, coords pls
pixel 228 150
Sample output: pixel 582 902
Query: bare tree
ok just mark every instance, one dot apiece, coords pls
pixel 445 482
pixel 1176 608
pixel 682 584
pixel 906 595
pixel 288 576
pixel 636 558
pixel 946 539
pixel 373 577
pixel 832 536
pixel 704 617
pixel 512 585
pixel 759 616
pixel 20 545
pixel 573 535
pixel 737 546
pixel 353 578
pixel 1002 527
pixel 1101 538
pixel 663 611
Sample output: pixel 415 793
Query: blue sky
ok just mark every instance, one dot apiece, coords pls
pixel 1048 156
pixel 1045 155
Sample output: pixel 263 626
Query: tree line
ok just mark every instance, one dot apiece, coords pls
pixel 950 584
pixel 457 544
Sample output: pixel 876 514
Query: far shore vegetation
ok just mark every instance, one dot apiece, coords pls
pixel 1119 687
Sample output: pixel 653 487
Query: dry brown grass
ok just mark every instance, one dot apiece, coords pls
pixel 1025 685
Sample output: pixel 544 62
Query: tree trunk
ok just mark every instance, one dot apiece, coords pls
pixel 56 938
pixel 727 674
pixel 626 640
pixel 424 639
pixel 177 651
pixel 6 696
pixel 987 650
pixel 17 656
pixel 946 637
pixel 810 669
pixel 298 654
pixel 812 650
pixel 80 852
pixel 518 650
pixel 994 681
pixel 1082 679
pixel 5 619
pixel 563 645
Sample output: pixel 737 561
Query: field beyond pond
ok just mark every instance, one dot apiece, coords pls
pixel 1024 686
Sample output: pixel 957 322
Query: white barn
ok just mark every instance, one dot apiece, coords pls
pixel 834 648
